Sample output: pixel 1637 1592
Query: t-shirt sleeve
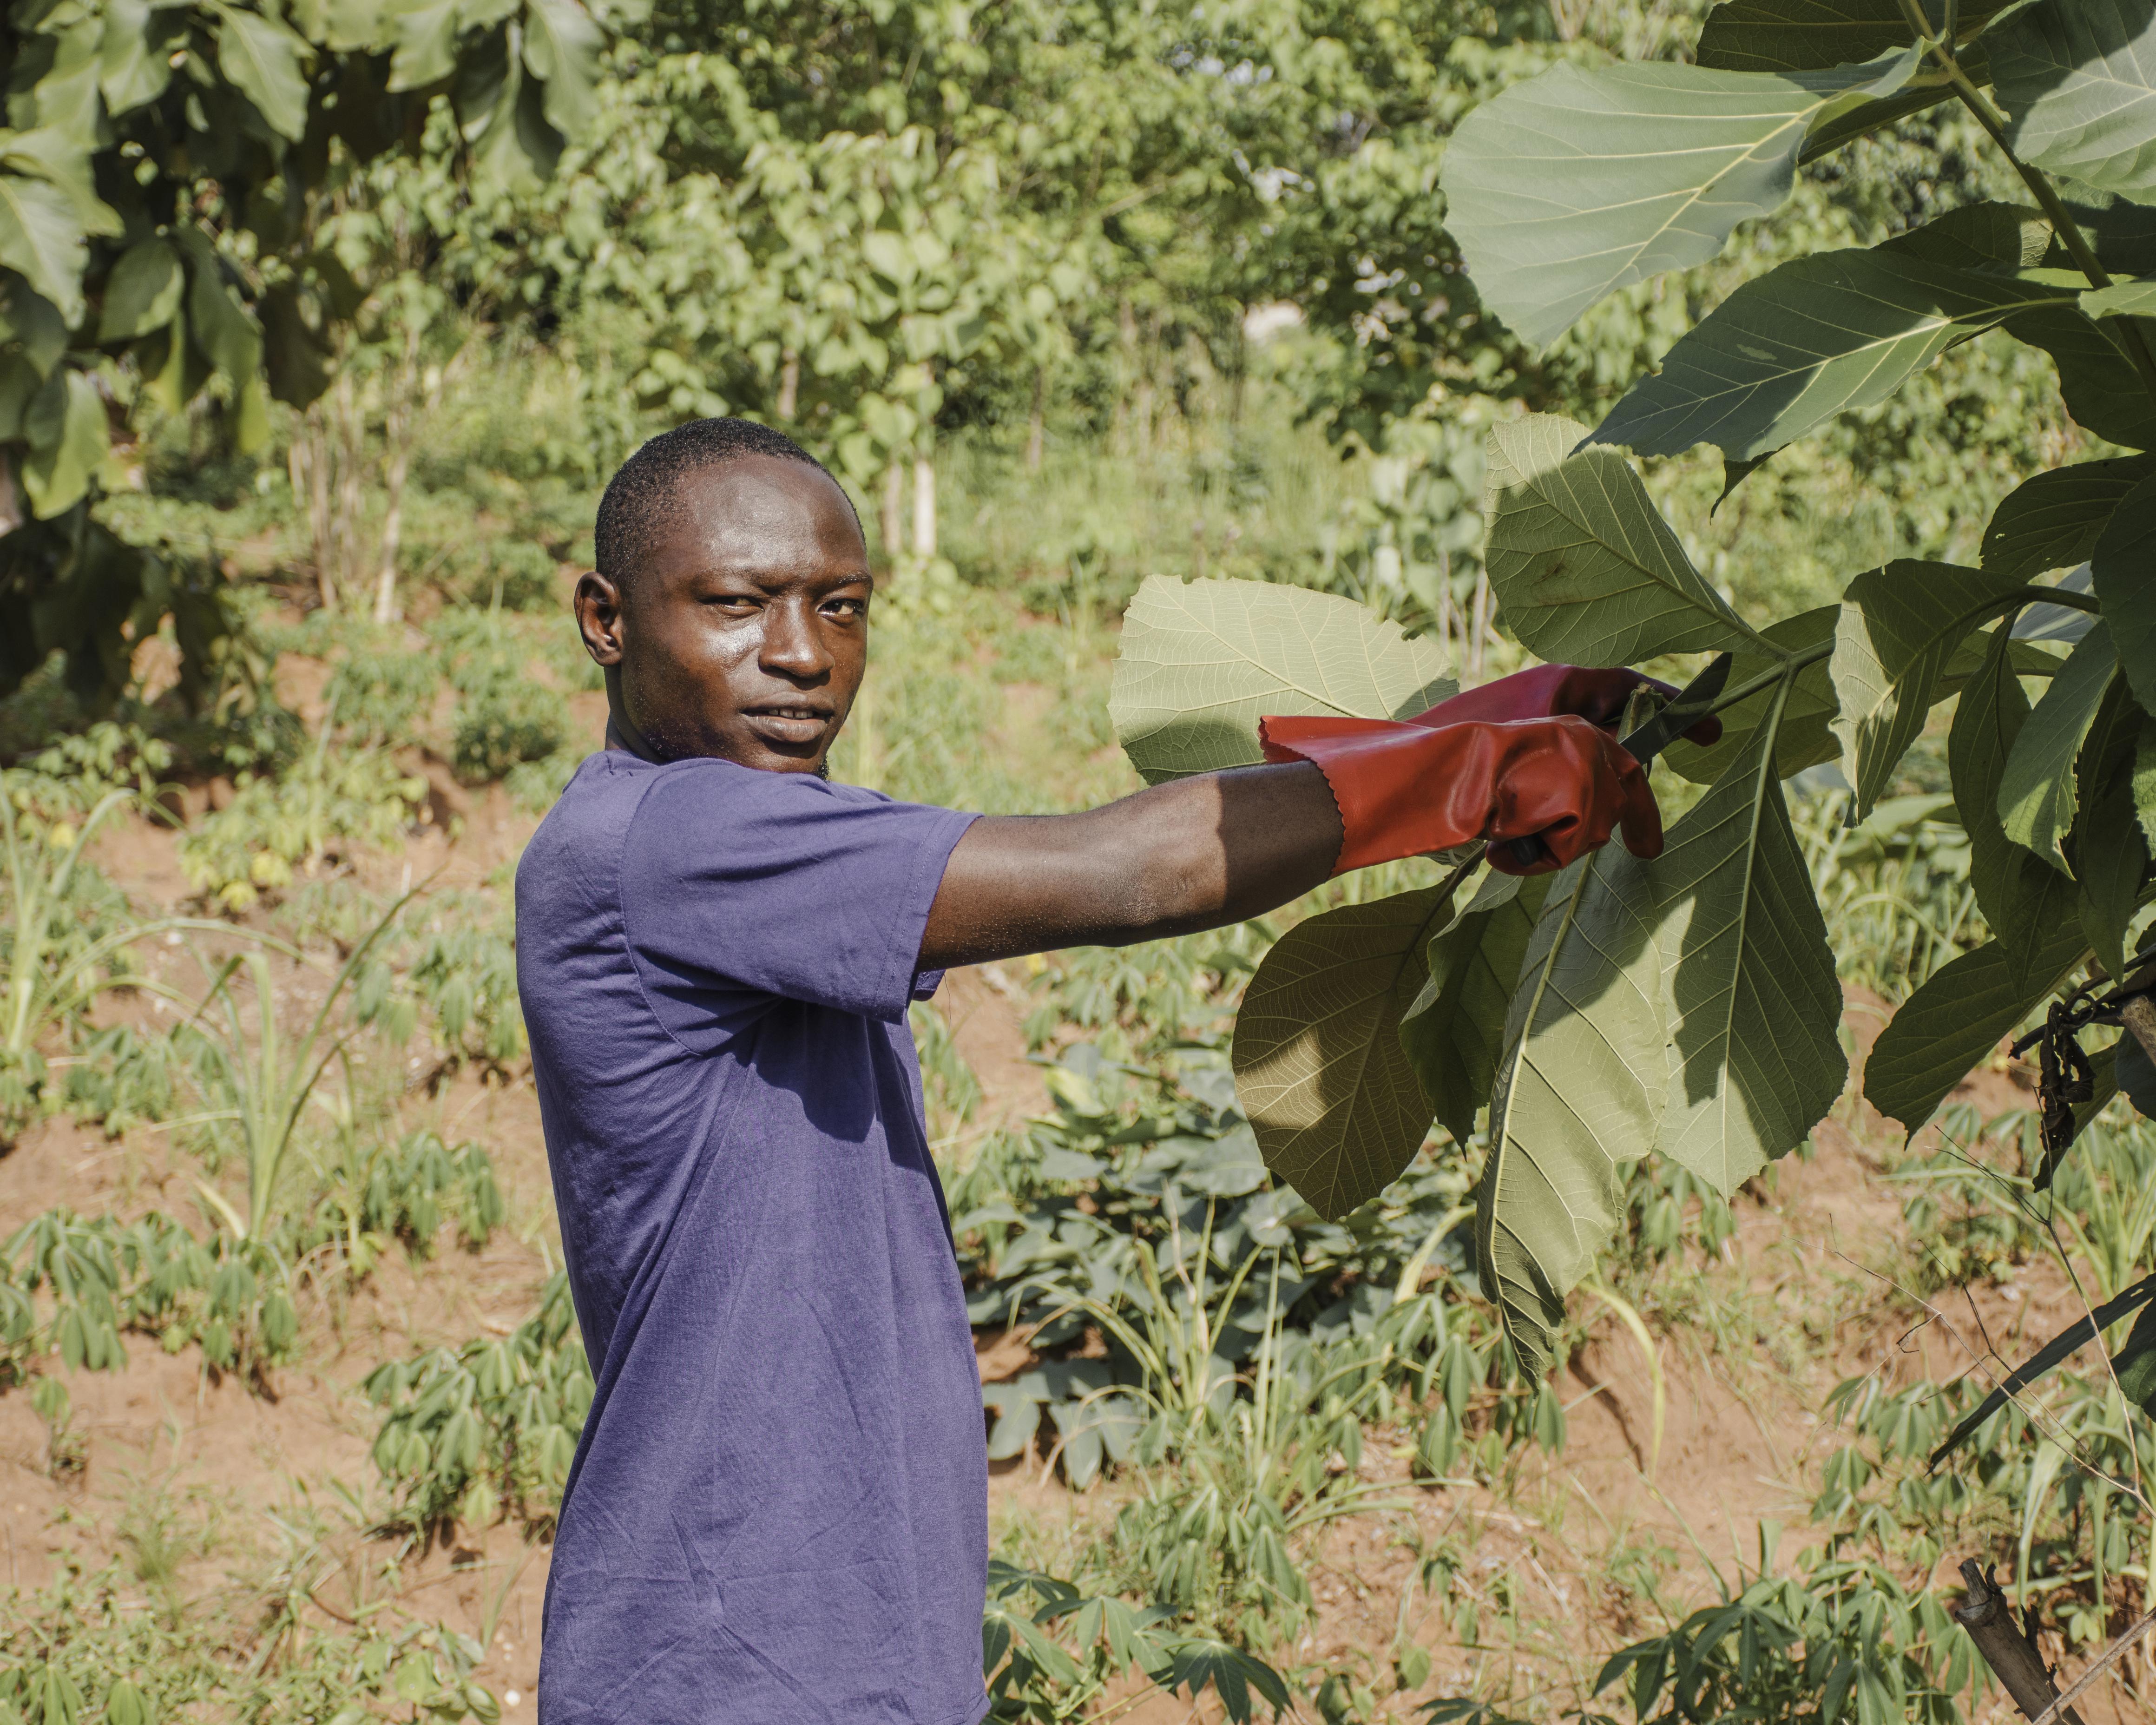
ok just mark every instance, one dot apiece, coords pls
pixel 736 881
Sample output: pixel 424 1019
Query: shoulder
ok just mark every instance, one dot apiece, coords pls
pixel 583 833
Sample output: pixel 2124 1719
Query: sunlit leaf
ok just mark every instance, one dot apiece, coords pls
pixel 41 234
pixel 264 59
pixel 1585 569
pixel 561 46
pixel 1576 182
pixel 1202 661
pixel 2079 80
pixel 1320 1072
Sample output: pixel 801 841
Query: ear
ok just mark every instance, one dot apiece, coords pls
pixel 598 607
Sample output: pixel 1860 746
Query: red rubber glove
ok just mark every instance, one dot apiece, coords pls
pixel 1405 789
pixel 1547 690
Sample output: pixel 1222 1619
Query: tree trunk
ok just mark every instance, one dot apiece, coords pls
pixel 310 466
pixel 2005 1646
pixel 1478 626
pixel 790 384
pixel 349 502
pixel 924 506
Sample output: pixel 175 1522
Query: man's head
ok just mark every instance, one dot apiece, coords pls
pixel 730 606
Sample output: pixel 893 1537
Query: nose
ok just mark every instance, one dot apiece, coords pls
pixel 793 644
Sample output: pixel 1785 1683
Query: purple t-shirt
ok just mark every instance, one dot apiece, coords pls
pixel 778 1511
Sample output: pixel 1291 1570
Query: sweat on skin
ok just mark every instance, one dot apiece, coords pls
pixel 777 1510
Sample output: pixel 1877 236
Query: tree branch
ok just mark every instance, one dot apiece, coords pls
pixel 2007 1650
pixel 2102 1663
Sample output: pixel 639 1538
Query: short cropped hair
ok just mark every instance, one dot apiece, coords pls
pixel 641 499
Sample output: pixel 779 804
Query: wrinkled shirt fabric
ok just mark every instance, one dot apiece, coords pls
pixel 777 1511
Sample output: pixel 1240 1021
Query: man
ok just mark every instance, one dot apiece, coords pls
pixel 777 1512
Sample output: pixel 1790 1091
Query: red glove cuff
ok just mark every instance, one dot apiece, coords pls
pixel 1405 789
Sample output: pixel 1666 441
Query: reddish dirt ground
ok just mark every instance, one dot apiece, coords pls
pixel 1741 1425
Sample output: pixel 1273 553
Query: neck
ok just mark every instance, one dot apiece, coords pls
pixel 621 732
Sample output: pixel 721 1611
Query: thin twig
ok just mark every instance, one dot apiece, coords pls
pixel 2102 1663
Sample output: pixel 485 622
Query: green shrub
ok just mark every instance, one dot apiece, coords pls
pixel 274 827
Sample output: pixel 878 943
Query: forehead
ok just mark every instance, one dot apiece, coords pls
pixel 757 514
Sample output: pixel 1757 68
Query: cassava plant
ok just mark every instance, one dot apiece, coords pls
pixel 1688 1008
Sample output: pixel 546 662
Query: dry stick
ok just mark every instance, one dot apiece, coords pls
pixel 2011 1654
pixel 2059 1709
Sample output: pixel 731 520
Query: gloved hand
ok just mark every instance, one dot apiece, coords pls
pixel 1405 789
pixel 1546 690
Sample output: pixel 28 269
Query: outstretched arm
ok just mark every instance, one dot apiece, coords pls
pixel 1198 853
pixel 1531 754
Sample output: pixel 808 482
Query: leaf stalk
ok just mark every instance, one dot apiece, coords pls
pixel 1988 116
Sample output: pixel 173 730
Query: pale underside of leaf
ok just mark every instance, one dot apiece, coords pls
pixel 1585 569
pixel 1753 1003
pixel 1201 662
pixel 2080 82
pixel 1579 1091
pixel 1319 1069
pixel 1576 182
pixel 1804 739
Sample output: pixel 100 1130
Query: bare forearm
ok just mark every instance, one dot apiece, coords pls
pixel 1197 853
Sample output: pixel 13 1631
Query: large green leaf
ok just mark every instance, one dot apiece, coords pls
pixel 2110 853
pixel 561 46
pixel 1578 182
pixel 1812 35
pixel 1454 1031
pixel 2123 570
pixel 1957 1017
pixel 68 435
pixel 1815 337
pixel 1202 661
pixel 2102 390
pixel 426 36
pixel 2079 79
pixel 2022 896
pixel 2054 521
pixel 1899 627
pixel 1584 567
pixel 2037 792
pixel 42 236
pixel 1579 1090
pixel 1754 1011
pixel 1319 1068
pixel 142 292
pixel 264 59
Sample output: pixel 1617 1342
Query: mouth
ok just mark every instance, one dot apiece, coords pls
pixel 798 723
